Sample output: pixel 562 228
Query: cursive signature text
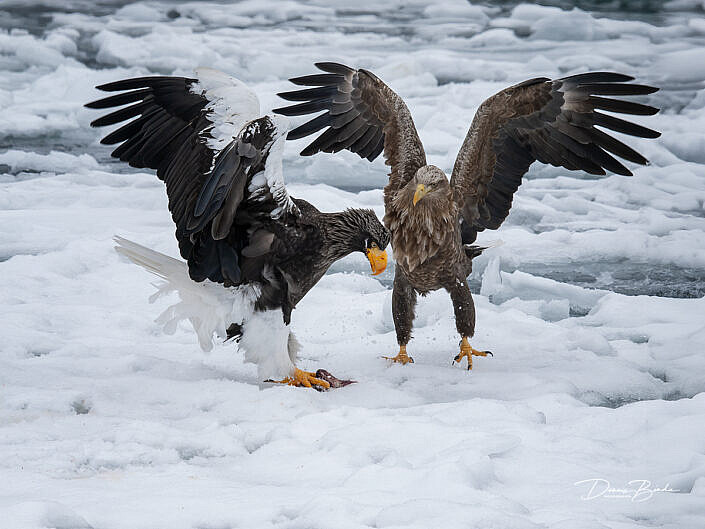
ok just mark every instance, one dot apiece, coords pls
pixel 636 490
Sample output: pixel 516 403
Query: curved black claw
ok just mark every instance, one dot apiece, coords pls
pixel 459 357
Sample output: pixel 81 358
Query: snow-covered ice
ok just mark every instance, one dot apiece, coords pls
pixel 593 306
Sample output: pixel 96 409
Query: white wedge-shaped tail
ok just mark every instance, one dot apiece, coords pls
pixel 208 306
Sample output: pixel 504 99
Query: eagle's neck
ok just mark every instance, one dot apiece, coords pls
pixel 328 237
pixel 342 234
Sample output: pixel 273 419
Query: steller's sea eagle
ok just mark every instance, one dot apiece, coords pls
pixel 433 221
pixel 251 250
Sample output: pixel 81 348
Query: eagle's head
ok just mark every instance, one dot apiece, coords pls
pixel 375 238
pixel 431 185
pixel 360 230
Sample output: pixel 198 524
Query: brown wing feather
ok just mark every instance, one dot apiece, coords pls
pixel 363 115
pixel 549 121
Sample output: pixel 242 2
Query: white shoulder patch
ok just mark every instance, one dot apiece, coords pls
pixel 231 104
pixel 271 180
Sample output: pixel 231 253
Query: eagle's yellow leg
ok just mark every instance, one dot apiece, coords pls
pixel 468 352
pixel 303 379
pixel 401 358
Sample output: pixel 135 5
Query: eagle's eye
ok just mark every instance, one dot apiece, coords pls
pixel 374 246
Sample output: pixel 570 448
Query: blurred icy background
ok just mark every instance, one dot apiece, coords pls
pixel 106 422
pixel 633 236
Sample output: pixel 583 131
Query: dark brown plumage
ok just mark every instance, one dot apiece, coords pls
pixel 433 221
pixel 235 222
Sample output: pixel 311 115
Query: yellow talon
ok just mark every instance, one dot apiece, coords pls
pixel 303 379
pixel 401 358
pixel 468 352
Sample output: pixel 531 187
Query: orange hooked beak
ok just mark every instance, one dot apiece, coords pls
pixel 377 259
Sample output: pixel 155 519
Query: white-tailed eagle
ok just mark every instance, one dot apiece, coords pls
pixel 434 221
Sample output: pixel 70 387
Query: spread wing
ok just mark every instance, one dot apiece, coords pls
pixel 555 122
pixel 221 163
pixel 362 114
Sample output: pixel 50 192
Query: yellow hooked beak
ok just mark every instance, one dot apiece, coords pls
pixel 377 259
pixel 420 193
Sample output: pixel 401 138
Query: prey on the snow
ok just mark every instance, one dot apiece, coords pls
pixel 252 251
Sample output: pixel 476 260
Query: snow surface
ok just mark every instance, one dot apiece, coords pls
pixel 108 423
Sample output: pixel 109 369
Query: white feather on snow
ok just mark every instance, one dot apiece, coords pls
pixel 231 104
pixel 209 306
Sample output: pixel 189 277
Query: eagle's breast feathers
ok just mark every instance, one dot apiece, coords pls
pixel 420 232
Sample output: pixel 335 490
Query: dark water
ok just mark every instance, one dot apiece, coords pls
pixel 626 277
